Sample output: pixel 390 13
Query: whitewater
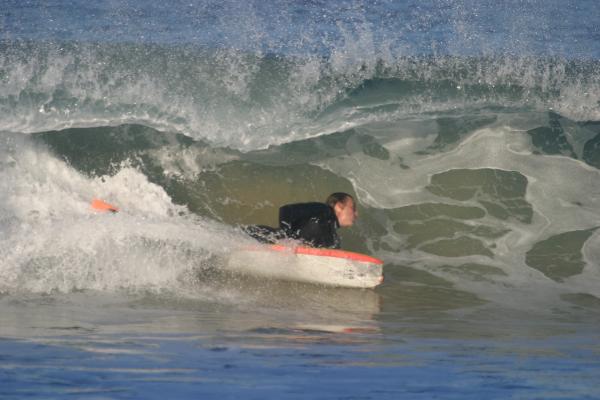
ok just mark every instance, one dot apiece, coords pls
pixel 468 133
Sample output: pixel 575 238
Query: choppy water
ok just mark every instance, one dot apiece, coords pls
pixel 468 133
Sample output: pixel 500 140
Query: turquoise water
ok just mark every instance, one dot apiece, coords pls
pixel 468 134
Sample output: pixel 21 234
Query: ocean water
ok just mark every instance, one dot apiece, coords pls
pixel 468 131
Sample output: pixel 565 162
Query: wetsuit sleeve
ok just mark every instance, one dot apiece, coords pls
pixel 313 223
pixel 319 233
pixel 263 233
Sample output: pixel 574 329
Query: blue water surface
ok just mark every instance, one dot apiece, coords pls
pixel 310 365
pixel 457 27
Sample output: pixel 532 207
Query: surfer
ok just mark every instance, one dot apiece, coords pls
pixel 315 224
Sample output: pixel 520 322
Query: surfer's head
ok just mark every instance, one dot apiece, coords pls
pixel 344 207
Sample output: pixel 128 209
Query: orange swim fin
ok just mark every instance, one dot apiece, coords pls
pixel 100 205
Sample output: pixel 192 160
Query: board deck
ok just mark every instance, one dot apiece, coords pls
pixel 306 264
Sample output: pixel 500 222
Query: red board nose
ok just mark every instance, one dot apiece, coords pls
pixel 100 205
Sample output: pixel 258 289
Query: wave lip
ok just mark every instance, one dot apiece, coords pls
pixel 248 100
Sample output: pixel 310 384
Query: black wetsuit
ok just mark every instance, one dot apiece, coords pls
pixel 315 224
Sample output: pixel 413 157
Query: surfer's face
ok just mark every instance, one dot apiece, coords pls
pixel 346 212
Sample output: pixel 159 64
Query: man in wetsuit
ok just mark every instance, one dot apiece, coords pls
pixel 315 224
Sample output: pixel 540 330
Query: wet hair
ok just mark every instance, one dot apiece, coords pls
pixel 338 197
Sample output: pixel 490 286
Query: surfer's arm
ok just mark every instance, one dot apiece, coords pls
pixel 314 224
pixel 319 233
